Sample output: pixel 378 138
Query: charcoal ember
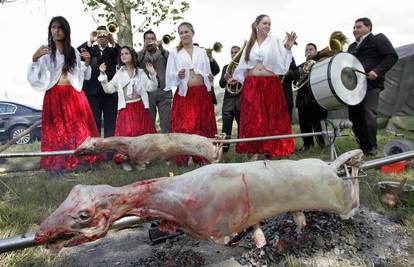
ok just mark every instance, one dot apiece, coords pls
pixel 324 233
pixel 173 258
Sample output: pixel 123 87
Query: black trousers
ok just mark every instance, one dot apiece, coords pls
pixel 309 121
pixel 230 111
pixel 108 106
pixel 161 100
pixel 289 98
pixel 364 119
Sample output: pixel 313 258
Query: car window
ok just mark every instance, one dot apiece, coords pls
pixel 7 108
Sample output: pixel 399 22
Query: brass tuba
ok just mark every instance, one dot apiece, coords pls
pixel 236 88
pixel 303 75
pixel 337 42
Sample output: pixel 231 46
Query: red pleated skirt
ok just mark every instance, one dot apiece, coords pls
pixel 133 120
pixel 193 114
pixel 67 121
pixel 263 112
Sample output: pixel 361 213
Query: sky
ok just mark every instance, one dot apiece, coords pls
pixel 24 28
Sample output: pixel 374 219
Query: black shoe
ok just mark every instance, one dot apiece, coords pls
pixel 268 156
pixel 371 152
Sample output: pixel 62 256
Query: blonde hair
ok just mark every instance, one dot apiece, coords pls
pixel 188 25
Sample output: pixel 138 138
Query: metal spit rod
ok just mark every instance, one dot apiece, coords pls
pixel 223 141
pixel 27 240
pixel 36 154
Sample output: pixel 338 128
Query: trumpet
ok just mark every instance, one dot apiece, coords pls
pixel 166 39
pixel 217 47
pixel 112 27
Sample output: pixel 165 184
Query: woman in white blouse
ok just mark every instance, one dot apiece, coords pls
pixel 67 119
pixel 263 110
pixel 132 85
pixel 188 73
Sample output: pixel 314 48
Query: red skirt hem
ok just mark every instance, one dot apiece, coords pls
pixel 263 112
pixel 67 121
pixel 133 120
pixel 193 114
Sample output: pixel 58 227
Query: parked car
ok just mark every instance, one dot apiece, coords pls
pixel 15 118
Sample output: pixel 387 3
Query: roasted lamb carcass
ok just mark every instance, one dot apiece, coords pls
pixel 214 202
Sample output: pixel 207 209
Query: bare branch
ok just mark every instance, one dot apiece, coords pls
pixel 105 3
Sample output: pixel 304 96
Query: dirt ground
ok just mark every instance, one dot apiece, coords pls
pixel 368 239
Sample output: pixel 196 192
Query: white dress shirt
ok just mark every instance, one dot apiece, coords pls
pixel 44 73
pixel 198 62
pixel 138 83
pixel 271 53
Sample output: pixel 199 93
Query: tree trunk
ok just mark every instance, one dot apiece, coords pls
pixel 122 11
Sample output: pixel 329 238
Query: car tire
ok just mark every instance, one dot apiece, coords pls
pixel 16 131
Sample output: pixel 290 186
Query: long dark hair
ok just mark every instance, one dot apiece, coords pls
pixel 253 36
pixel 68 50
pixel 133 53
pixel 190 26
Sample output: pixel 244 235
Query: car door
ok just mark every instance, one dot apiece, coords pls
pixel 6 111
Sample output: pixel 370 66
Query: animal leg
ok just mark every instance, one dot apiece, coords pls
pixel 258 236
pixel 299 219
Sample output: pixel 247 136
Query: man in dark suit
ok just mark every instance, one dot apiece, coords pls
pixel 99 101
pixel 231 102
pixel 287 80
pixel 377 56
pixel 309 111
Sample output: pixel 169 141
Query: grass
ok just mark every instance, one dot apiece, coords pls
pixel 40 192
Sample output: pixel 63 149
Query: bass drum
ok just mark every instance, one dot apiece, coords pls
pixel 335 81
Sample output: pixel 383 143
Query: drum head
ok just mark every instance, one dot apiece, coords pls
pixel 347 85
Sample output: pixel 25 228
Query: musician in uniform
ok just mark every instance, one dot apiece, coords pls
pixel 377 56
pixel 102 105
pixel 154 53
pixel 309 111
pixel 231 101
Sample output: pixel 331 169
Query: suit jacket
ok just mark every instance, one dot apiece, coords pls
pixel 109 56
pixel 375 53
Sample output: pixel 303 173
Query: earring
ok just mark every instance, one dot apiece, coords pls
pixel 257 29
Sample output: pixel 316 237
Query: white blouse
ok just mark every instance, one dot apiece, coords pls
pixel 198 62
pixel 271 53
pixel 44 73
pixel 139 83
